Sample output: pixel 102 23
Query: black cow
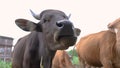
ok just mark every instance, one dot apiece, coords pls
pixel 53 32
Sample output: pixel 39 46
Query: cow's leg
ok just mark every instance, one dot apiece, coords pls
pixel 87 66
pixel 107 64
pixel 82 64
pixel 94 67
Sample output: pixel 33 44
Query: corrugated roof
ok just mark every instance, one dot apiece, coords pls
pixel 6 37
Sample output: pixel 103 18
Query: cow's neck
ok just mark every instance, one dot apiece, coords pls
pixel 118 43
pixel 45 53
pixel 43 45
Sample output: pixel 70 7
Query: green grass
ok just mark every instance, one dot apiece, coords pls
pixel 5 64
pixel 73 53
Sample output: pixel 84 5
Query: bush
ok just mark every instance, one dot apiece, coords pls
pixel 75 59
pixel 72 52
pixel 5 64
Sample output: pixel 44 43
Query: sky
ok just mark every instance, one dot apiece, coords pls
pixel 90 16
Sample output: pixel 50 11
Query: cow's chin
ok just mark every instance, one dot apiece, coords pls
pixel 66 42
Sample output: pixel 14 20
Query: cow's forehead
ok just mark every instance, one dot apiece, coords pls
pixel 52 12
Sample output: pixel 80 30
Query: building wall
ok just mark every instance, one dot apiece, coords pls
pixel 6 48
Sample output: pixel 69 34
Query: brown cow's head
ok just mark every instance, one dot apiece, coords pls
pixel 55 26
pixel 115 25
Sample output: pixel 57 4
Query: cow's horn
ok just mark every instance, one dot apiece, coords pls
pixel 36 16
pixel 69 16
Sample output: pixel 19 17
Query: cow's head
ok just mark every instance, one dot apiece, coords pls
pixel 55 26
pixel 115 25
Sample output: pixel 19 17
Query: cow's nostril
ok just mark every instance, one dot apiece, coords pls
pixel 59 24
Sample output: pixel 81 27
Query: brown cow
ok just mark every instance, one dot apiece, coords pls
pixel 53 32
pixel 102 48
pixel 62 60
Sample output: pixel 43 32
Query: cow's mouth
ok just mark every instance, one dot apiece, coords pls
pixel 66 41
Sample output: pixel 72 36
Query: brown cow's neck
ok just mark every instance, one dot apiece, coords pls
pixel 118 42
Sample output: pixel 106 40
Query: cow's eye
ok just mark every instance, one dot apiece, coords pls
pixel 46 20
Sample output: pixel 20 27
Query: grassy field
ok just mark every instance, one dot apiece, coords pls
pixel 5 64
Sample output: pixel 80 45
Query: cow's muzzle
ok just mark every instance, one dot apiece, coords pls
pixel 65 28
pixel 66 34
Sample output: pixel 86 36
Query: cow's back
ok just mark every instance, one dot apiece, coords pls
pixel 18 53
pixel 89 47
pixel 61 60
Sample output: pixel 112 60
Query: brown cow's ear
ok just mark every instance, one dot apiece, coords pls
pixel 26 25
pixel 111 27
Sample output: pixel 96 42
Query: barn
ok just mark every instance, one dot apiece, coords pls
pixel 6 44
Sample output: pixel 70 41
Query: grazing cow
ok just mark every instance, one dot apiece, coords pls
pixel 37 49
pixel 62 60
pixel 102 48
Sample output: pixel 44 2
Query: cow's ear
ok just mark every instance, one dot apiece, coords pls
pixel 26 25
pixel 77 31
